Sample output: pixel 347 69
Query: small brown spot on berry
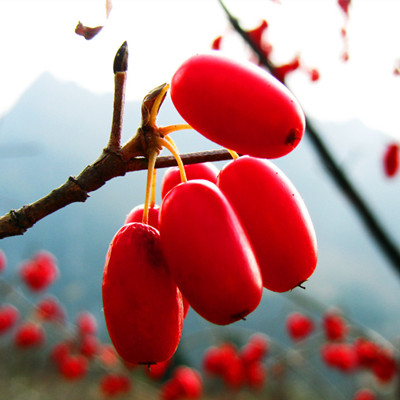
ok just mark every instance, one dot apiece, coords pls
pixel 293 138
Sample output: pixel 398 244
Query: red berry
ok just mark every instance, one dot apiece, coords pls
pixel 334 325
pixel 29 334
pixel 255 349
pixel 299 326
pixel 364 394
pixel 49 309
pixel 89 345
pixel 391 160
pixel 73 366
pixel 238 106
pixel 275 219
pixel 256 375
pixel 384 367
pixel 8 317
pixel 60 351
pixel 367 351
pixel 199 229
pixel 3 261
pixel 157 371
pixel 114 384
pixel 86 323
pixel 171 178
pixel 39 272
pixel 136 215
pixel 189 382
pixel 142 304
pixel 340 355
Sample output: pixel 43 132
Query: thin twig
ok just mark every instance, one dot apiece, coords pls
pixel 377 231
pixel 108 166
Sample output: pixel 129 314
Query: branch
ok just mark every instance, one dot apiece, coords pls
pixel 378 233
pixel 114 161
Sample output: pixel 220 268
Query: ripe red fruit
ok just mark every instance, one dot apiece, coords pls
pixel 89 346
pixel 341 356
pixel 60 351
pixel 255 349
pixel 367 351
pixel 136 215
pixel 391 160
pixel 73 366
pixel 142 304
pixel 86 323
pixel 171 178
pixel 29 334
pixel 299 326
pixel 256 375
pixel 334 325
pixel 49 309
pixel 158 370
pixel 39 272
pixel 114 384
pixel 208 253
pixel 384 367
pixel 8 317
pixel 275 219
pixel 237 105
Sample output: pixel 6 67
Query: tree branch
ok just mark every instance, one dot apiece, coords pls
pixel 378 233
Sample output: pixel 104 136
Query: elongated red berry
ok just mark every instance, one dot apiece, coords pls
pixel 275 218
pixel 171 178
pixel 142 304
pixel 237 105
pixel 208 253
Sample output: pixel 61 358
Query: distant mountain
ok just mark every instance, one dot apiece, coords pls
pixel 57 128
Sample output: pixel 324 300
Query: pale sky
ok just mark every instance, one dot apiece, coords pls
pixel 38 36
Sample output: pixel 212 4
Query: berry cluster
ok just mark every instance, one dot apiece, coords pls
pixel 218 237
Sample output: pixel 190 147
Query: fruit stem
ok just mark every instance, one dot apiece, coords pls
pixel 233 154
pixel 149 185
pixel 156 105
pixel 153 189
pixel 165 130
pixel 172 148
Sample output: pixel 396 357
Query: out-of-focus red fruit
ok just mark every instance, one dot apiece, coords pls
pixel 29 334
pixel 190 382
pixel 384 367
pixel 341 356
pixel 367 351
pixel 114 384
pixel 3 261
pixel 391 160
pixel 157 371
pixel 314 75
pixel 299 326
pixel 275 219
pixel 256 374
pixel 142 304
pixel 108 356
pixel 171 178
pixel 364 394
pixel 9 315
pixel 86 323
pixel 49 309
pixel 89 345
pixel 60 351
pixel 334 325
pixel 136 215
pixel 198 227
pixel 255 349
pixel 40 271
pixel 73 366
